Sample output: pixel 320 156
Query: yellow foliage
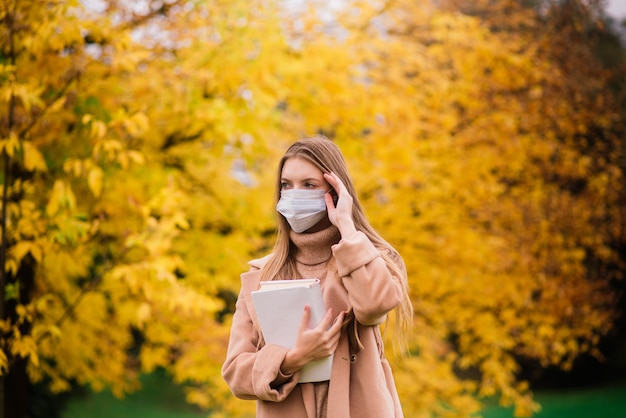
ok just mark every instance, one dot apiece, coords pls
pixel 152 141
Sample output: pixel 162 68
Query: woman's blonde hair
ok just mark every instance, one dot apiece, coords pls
pixel 325 155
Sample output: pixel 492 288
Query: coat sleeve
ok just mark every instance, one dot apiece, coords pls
pixel 251 372
pixel 372 289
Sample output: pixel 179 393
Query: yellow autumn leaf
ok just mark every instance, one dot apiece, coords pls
pixel 24 346
pixel 59 385
pixel 94 180
pixel 4 362
pixel 21 248
pixel 143 314
pixel 12 266
pixel 41 331
pixel 74 166
pixel 29 94
pixel 98 129
pixel 136 157
pixel 57 105
pixel 10 144
pixel 33 159
pixel 61 198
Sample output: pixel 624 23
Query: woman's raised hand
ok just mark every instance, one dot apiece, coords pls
pixel 340 214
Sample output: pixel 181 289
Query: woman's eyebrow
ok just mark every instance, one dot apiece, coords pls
pixel 285 179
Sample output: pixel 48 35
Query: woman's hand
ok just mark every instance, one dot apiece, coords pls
pixel 313 343
pixel 340 215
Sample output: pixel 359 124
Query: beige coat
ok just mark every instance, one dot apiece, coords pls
pixel 361 386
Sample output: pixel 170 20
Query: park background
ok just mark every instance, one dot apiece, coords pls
pixel 139 141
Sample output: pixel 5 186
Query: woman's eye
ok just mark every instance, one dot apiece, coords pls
pixel 284 186
pixel 309 185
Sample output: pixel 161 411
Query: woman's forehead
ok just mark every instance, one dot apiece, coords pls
pixel 297 167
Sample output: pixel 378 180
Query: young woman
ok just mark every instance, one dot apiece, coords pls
pixel 322 233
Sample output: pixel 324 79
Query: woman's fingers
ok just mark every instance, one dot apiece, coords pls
pixel 335 182
pixel 335 331
pixel 338 321
pixel 324 324
pixel 322 340
pixel 306 318
pixel 327 320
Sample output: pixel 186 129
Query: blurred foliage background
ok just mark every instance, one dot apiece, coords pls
pixel 139 142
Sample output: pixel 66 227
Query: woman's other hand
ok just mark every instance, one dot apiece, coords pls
pixel 313 343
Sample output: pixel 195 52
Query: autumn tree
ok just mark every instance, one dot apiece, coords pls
pixel 89 218
pixel 136 145
pixel 487 154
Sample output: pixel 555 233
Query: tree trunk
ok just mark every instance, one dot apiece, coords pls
pixel 15 385
pixel 15 389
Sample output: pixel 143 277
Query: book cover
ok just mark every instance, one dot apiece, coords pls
pixel 279 306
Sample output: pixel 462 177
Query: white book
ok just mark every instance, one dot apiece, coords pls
pixel 279 306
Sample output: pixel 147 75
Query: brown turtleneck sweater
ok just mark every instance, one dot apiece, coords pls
pixel 313 252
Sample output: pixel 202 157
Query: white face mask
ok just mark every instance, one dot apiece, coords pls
pixel 302 208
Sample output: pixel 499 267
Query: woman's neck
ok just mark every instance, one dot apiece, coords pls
pixel 313 249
